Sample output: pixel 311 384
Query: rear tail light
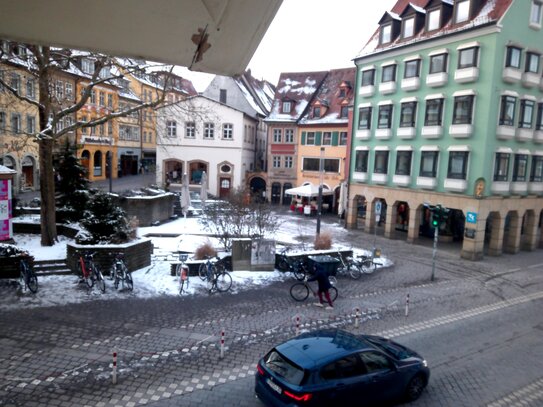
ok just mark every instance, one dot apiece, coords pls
pixel 298 397
pixel 259 369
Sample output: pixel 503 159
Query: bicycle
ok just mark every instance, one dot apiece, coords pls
pixel 300 291
pixel 366 264
pixel 297 267
pixel 90 272
pixel 27 278
pixel 182 271
pixel 119 273
pixel 348 266
pixel 207 270
pixel 221 281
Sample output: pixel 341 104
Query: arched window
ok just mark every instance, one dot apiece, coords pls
pixel 97 164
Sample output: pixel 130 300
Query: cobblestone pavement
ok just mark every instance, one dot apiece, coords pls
pixel 478 323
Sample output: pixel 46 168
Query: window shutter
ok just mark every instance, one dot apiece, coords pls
pixel 318 138
pixel 303 138
pixel 335 138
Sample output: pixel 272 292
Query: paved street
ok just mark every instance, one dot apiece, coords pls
pixel 478 324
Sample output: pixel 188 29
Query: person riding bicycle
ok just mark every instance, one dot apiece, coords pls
pixel 321 276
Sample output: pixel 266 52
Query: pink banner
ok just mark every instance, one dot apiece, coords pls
pixel 5 230
pixel 5 189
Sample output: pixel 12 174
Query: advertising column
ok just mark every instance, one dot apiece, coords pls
pixel 6 213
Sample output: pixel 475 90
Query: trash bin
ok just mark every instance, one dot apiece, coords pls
pixel 328 263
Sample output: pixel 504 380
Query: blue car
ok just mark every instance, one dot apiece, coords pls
pixel 331 366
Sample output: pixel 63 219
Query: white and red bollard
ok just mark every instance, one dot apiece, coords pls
pixel 407 305
pixel 222 344
pixel 114 372
pixel 356 317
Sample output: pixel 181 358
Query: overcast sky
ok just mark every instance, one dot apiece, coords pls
pixel 311 35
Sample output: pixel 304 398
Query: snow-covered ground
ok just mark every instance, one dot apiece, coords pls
pixel 154 280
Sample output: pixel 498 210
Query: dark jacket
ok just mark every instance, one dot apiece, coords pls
pixel 321 276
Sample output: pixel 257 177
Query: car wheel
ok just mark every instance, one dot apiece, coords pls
pixel 415 387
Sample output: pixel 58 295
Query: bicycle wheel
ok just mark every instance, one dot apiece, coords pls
pixel 223 281
pixel 299 292
pixel 333 293
pixel 202 271
pixel 32 281
pixel 100 279
pixel 355 272
pixel 129 282
pixel 115 275
pixel 368 266
pixel 333 280
pixel 86 276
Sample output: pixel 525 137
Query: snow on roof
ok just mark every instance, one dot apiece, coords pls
pixel 249 97
pixel 6 170
pixel 491 12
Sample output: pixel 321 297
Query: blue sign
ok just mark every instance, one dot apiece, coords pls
pixel 471 217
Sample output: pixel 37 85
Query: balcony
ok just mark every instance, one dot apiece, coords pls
pixel 426 182
pixel 406 132
pixel 530 79
pixel 460 130
pixel 363 134
pixel 455 185
pixel 386 88
pixel 538 136
pixel 366 91
pixel 401 180
pixel 379 178
pixel 535 188
pixel 436 80
pixel 432 132
pixel 511 75
pixel 466 75
pixel 519 188
pixel 500 187
pixel 383 134
pixel 360 176
pixel 409 84
pixel 505 132
pixel 525 134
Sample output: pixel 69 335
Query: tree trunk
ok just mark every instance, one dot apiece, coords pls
pixel 47 189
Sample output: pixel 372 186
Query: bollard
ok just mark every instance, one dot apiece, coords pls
pixel 357 317
pixel 297 325
pixel 407 305
pixel 222 344
pixel 114 372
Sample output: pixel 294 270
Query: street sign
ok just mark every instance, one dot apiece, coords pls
pixel 378 207
pixel 471 217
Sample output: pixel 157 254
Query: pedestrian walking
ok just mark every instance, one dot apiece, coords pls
pixel 321 276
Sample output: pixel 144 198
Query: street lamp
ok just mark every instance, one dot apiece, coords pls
pixel 321 173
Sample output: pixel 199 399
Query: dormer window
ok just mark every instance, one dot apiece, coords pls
pixel 434 20
pixel 408 27
pixel 342 92
pixel 87 66
pixel 462 11
pixel 344 111
pixel 386 34
pixel 317 112
pixel 287 106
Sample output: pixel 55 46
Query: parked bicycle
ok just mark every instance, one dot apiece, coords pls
pixel 296 266
pixel 207 269
pixel 119 273
pixel 221 281
pixel 300 291
pixel 366 264
pixel 89 272
pixel 182 271
pixel 27 278
pixel 348 266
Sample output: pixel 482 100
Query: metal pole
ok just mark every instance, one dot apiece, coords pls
pixel 319 210
pixel 110 164
pixel 434 252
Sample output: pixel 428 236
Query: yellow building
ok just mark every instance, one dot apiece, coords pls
pixel 323 133
pixel 18 126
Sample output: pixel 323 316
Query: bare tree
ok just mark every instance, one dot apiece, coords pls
pixel 239 216
pixel 43 63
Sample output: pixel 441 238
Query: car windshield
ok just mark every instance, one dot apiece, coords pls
pixel 284 368
pixel 394 349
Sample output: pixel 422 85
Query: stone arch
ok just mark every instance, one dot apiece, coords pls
pixel 286 199
pixel 97 163
pixel 11 162
pixel 172 170
pixel 275 196
pixel 29 172
pixel 225 178
pixel 529 231
pixel 257 185
pixel 494 230
pixel 196 168
pixel 512 232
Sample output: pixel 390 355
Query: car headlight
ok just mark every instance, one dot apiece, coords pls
pixel 424 363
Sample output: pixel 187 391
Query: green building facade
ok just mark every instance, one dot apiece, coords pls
pixel 449 110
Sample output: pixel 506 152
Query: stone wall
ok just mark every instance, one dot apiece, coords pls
pixel 148 209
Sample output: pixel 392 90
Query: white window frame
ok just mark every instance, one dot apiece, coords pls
pixel 462 11
pixel 408 27
pixel 171 128
pixel 228 131
pixel 289 161
pixel 434 23
pixel 277 135
pixel 289 135
pixel 209 131
pixel 190 130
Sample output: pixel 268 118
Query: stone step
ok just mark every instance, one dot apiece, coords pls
pixel 51 267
